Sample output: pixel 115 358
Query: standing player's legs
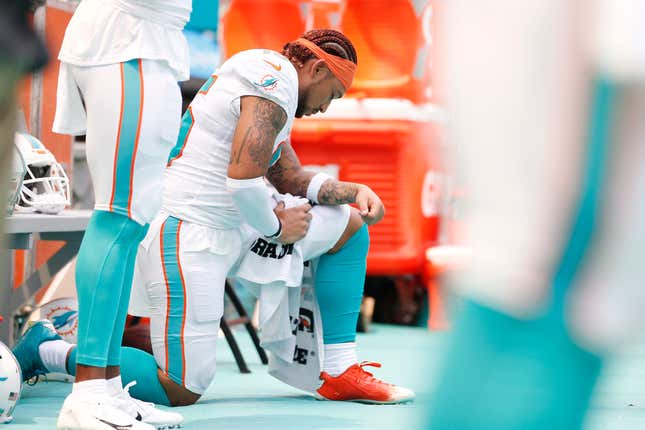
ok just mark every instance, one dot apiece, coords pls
pixel 133 111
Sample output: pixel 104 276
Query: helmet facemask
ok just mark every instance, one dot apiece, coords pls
pixel 45 186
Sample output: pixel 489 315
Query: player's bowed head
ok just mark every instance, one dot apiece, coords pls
pixel 326 64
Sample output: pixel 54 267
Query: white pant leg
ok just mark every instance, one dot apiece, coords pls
pixel 133 114
pixel 327 226
pixel 184 282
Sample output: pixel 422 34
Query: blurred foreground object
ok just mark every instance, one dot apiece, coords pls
pixel 16 172
pixel 21 51
pixel 545 101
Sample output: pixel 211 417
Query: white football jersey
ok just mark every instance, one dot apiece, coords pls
pixel 195 180
pixel 113 31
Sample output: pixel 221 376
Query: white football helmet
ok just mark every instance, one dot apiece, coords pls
pixel 17 172
pixel 45 187
pixel 10 383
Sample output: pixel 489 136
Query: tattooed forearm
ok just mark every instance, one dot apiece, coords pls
pixel 287 175
pixel 289 181
pixel 256 145
pixel 334 192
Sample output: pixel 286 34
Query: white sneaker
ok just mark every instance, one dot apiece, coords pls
pixel 95 413
pixel 162 420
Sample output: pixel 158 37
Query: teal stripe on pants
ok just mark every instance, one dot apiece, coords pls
pixel 127 137
pixel 590 200
pixel 177 300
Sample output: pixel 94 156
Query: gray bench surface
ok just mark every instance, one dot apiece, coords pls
pixel 68 220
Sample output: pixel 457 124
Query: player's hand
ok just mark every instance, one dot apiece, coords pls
pixel 369 205
pixel 295 222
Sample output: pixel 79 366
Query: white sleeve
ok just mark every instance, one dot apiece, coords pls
pixel 252 198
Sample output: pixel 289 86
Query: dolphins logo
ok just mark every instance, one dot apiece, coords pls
pixel 64 319
pixel 268 82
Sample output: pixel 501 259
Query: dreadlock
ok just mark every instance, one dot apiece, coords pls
pixel 331 41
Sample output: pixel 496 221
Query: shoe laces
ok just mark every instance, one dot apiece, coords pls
pixel 371 377
pixel 36 378
pixel 33 380
pixel 126 395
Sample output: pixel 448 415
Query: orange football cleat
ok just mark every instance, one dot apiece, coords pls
pixel 358 385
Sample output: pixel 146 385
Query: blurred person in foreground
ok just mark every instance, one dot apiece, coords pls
pixel 546 102
pixel 21 52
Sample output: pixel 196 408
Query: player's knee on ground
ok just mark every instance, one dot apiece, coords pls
pixel 178 395
pixel 187 377
pixel 190 365
pixel 354 223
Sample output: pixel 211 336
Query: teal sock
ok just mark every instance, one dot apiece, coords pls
pixel 136 365
pixel 339 282
pixel 103 269
pixel 512 374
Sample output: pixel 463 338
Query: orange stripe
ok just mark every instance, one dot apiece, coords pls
pixel 210 86
pixel 183 320
pixel 165 278
pixel 183 145
pixel 118 138
pixel 19 267
pixel 136 140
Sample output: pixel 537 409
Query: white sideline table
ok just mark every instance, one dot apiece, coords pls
pixel 21 231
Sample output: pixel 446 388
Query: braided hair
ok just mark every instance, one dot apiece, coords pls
pixel 331 41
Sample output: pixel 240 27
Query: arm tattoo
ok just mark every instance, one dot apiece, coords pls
pixel 287 175
pixel 337 193
pixel 268 120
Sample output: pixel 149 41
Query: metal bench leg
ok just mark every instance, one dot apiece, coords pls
pixel 232 343
pixel 247 322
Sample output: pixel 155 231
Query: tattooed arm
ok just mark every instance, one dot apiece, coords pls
pixel 257 129
pixel 288 176
pixel 260 122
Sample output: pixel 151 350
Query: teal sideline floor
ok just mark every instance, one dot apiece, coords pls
pixel 256 401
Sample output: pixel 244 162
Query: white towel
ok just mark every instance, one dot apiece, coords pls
pixel 291 331
pixel 290 323
pixel 267 261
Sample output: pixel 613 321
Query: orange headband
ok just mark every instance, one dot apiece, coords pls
pixel 343 69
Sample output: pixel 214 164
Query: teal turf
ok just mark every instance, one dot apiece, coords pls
pixel 259 402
